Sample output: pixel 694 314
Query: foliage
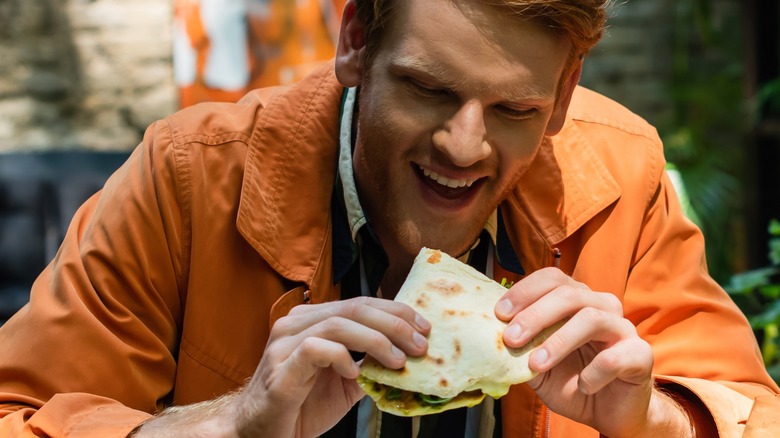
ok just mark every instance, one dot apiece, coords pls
pixel 703 139
pixel 757 293
pixel 767 101
pixel 709 121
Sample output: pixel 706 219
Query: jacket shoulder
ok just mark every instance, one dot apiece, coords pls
pixel 590 107
pixel 277 109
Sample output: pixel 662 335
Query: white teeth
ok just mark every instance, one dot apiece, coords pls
pixel 443 180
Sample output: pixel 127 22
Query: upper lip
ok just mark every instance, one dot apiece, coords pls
pixel 452 182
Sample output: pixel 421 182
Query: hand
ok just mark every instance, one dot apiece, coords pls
pixel 305 380
pixel 595 369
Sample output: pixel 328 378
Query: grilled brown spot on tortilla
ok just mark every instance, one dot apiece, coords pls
pixel 445 286
pixel 436 360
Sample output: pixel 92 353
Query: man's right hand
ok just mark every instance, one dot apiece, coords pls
pixel 305 382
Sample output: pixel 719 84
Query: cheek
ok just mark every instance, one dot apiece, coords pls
pixel 517 155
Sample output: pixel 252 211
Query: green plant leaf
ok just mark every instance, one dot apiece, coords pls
pixel 774 227
pixel 748 281
pixel 770 316
pixel 769 346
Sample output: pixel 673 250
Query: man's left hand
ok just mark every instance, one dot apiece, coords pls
pixel 595 369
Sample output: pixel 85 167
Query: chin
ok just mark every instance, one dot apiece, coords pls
pixel 413 239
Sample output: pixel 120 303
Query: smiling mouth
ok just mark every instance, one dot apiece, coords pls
pixel 447 188
pixel 446 182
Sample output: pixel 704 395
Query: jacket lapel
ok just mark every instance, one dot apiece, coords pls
pixel 284 211
pixel 565 186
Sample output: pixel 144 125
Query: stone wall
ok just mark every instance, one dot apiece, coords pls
pixel 631 63
pixel 94 73
pixel 83 73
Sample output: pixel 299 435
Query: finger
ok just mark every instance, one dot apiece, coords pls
pixel 314 354
pixel 630 361
pixel 356 337
pixel 303 316
pixel 290 379
pixel 530 289
pixel 591 326
pixel 557 305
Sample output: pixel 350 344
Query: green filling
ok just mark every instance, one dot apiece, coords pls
pixel 394 394
pixel 432 400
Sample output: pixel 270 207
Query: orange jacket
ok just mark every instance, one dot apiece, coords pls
pixel 166 285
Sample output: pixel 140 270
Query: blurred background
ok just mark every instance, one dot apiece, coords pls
pixel 81 79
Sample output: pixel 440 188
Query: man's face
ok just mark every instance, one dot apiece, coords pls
pixel 449 117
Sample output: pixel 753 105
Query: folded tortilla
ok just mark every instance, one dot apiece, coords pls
pixel 466 359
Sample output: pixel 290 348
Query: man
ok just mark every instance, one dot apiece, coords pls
pixel 462 129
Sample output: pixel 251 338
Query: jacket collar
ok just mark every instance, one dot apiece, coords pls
pixel 289 176
pixel 565 186
pixel 290 171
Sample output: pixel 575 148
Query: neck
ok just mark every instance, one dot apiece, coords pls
pixel 399 264
pixel 393 280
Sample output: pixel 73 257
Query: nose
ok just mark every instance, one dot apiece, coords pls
pixel 463 137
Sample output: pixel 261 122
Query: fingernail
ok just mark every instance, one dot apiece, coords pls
pixel 421 322
pixel 419 340
pixel 513 332
pixel 541 355
pixel 397 352
pixel 504 307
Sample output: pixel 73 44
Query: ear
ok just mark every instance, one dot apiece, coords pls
pixel 351 49
pixel 558 117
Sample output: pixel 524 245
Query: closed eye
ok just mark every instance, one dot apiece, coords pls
pixel 426 90
pixel 516 113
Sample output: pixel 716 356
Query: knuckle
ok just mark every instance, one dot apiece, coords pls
pixel 531 316
pixel 614 305
pixel 406 312
pixel 400 326
pixel 350 308
pixel 591 315
pixel 551 273
pixel 298 310
pixel 570 293
pixel 284 326
pixel 273 351
pixel 555 342
pixel 608 361
pixel 585 381
pixel 361 301
pixel 310 350
pixel 376 338
pixel 307 346
pixel 333 324
pixel 629 328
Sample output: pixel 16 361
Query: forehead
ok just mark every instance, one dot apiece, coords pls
pixel 475 43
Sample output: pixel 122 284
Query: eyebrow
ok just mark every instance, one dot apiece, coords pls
pixel 512 92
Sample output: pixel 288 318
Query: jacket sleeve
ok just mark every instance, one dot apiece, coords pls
pixel 705 350
pixel 93 353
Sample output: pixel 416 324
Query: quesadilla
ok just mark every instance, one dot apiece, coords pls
pixel 466 359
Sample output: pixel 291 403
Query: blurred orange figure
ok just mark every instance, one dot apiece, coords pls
pixel 224 48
